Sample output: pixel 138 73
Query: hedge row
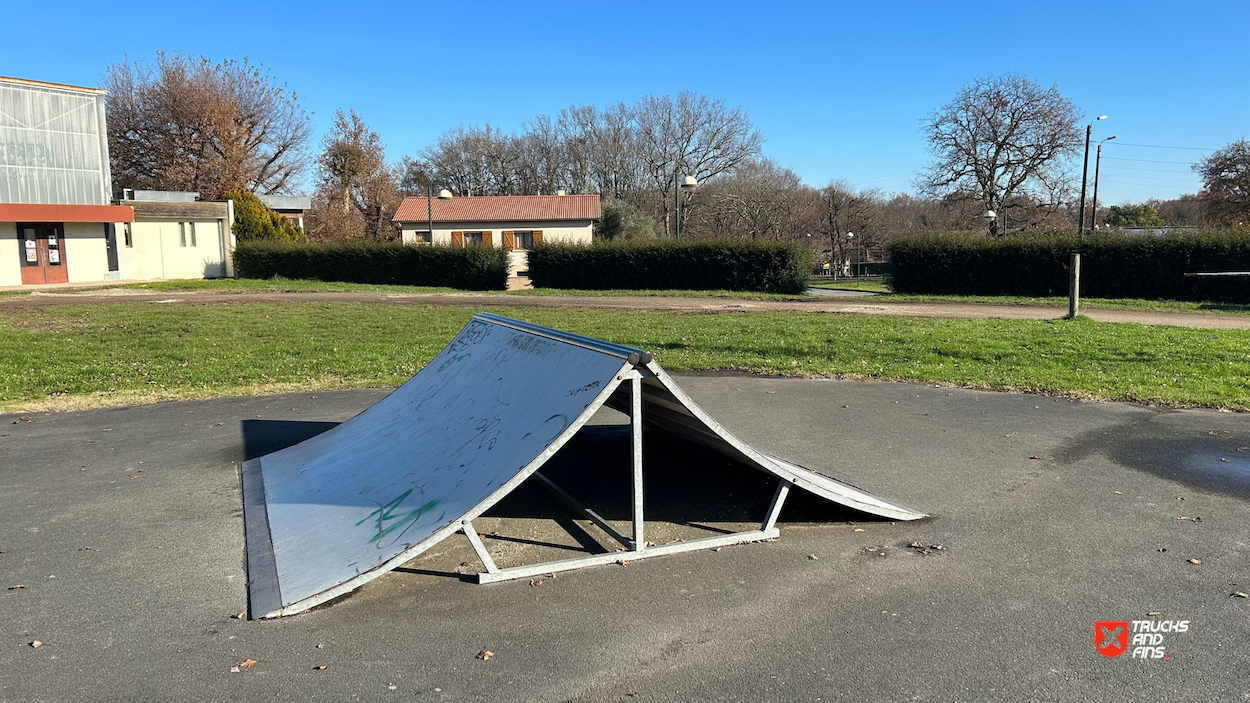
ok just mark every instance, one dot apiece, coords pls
pixel 743 266
pixel 470 268
pixel 1112 265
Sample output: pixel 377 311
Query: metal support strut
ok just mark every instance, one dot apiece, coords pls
pixel 636 543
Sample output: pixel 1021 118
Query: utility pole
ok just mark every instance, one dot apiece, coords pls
pixel 1089 128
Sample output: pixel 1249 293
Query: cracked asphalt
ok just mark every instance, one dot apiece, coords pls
pixel 124 527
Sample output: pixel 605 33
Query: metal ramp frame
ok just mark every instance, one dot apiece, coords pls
pixel 300 503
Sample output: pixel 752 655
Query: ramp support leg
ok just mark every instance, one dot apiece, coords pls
pixel 635 421
pixel 774 510
pixel 479 548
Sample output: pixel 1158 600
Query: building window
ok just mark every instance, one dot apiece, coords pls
pixel 422 237
pixel 130 240
pixel 186 233
pixel 472 238
pixel 524 240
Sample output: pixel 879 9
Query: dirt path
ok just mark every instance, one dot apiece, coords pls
pixel 866 306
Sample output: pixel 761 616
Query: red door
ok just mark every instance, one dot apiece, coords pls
pixel 41 248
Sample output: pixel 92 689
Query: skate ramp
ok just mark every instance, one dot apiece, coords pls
pixel 327 515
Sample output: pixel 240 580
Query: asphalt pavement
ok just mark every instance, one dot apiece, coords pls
pixel 124 528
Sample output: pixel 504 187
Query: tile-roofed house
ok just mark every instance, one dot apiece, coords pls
pixel 513 222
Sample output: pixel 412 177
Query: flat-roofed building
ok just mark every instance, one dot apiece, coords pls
pixel 57 224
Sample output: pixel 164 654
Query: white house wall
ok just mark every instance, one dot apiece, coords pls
pixel 10 265
pixel 580 232
pixel 156 251
pixel 86 252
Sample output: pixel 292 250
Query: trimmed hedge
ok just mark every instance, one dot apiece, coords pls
pixel 1112 265
pixel 742 266
pixel 469 268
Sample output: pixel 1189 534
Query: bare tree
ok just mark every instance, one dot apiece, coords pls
pixel 1002 137
pixel 760 200
pixel 356 194
pixel 477 161
pixel 1226 183
pixel 182 123
pixel 843 211
pixel 692 135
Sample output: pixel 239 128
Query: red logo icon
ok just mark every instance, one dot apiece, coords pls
pixel 1111 637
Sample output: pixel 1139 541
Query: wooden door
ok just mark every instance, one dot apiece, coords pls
pixel 41 250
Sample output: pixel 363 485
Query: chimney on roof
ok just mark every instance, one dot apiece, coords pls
pixel 560 192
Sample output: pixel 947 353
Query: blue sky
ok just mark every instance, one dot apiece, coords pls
pixel 838 90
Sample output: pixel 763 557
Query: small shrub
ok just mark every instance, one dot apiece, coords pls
pixel 1113 265
pixel 742 266
pixel 254 221
pixel 469 268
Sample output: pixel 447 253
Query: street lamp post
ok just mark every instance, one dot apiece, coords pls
pixel 1093 215
pixel 1089 128
pixel 851 236
pixel 687 184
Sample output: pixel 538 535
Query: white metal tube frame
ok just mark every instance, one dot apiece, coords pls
pixel 635 544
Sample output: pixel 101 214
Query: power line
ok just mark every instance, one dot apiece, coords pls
pixel 1159 146
pixel 1149 161
pixel 1152 170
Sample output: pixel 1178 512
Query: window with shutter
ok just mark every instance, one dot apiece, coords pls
pixel 538 236
pixel 509 240
pixel 487 239
pixel 457 239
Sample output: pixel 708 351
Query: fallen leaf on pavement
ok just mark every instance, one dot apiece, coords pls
pixel 239 616
pixel 320 667
pixel 536 582
pixel 234 669
pixel 1153 613
pixel 1239 594
pixel 859 529
pixel 813 557
pixel 37 644
pixel 1243 449
pixel 14 588
pixel 321 646
pixel 248 663
pixel 485 655
pixel 1195 561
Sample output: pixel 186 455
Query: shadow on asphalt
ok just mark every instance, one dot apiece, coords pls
pixel 1211 461
pixel 685 484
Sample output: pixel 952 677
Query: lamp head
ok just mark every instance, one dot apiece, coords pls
pixel 990 215
pixel 689 183
pixel 444 194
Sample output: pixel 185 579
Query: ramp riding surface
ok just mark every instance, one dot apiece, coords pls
pixel 335 511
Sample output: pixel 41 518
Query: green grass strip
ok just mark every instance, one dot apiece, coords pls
pixel 84 356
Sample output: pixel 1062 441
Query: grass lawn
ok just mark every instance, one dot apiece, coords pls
pixel 284 285
pixel 83 356
pixel 848 284
pixel 668 293
pixel 277 285
pixel 1091 303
